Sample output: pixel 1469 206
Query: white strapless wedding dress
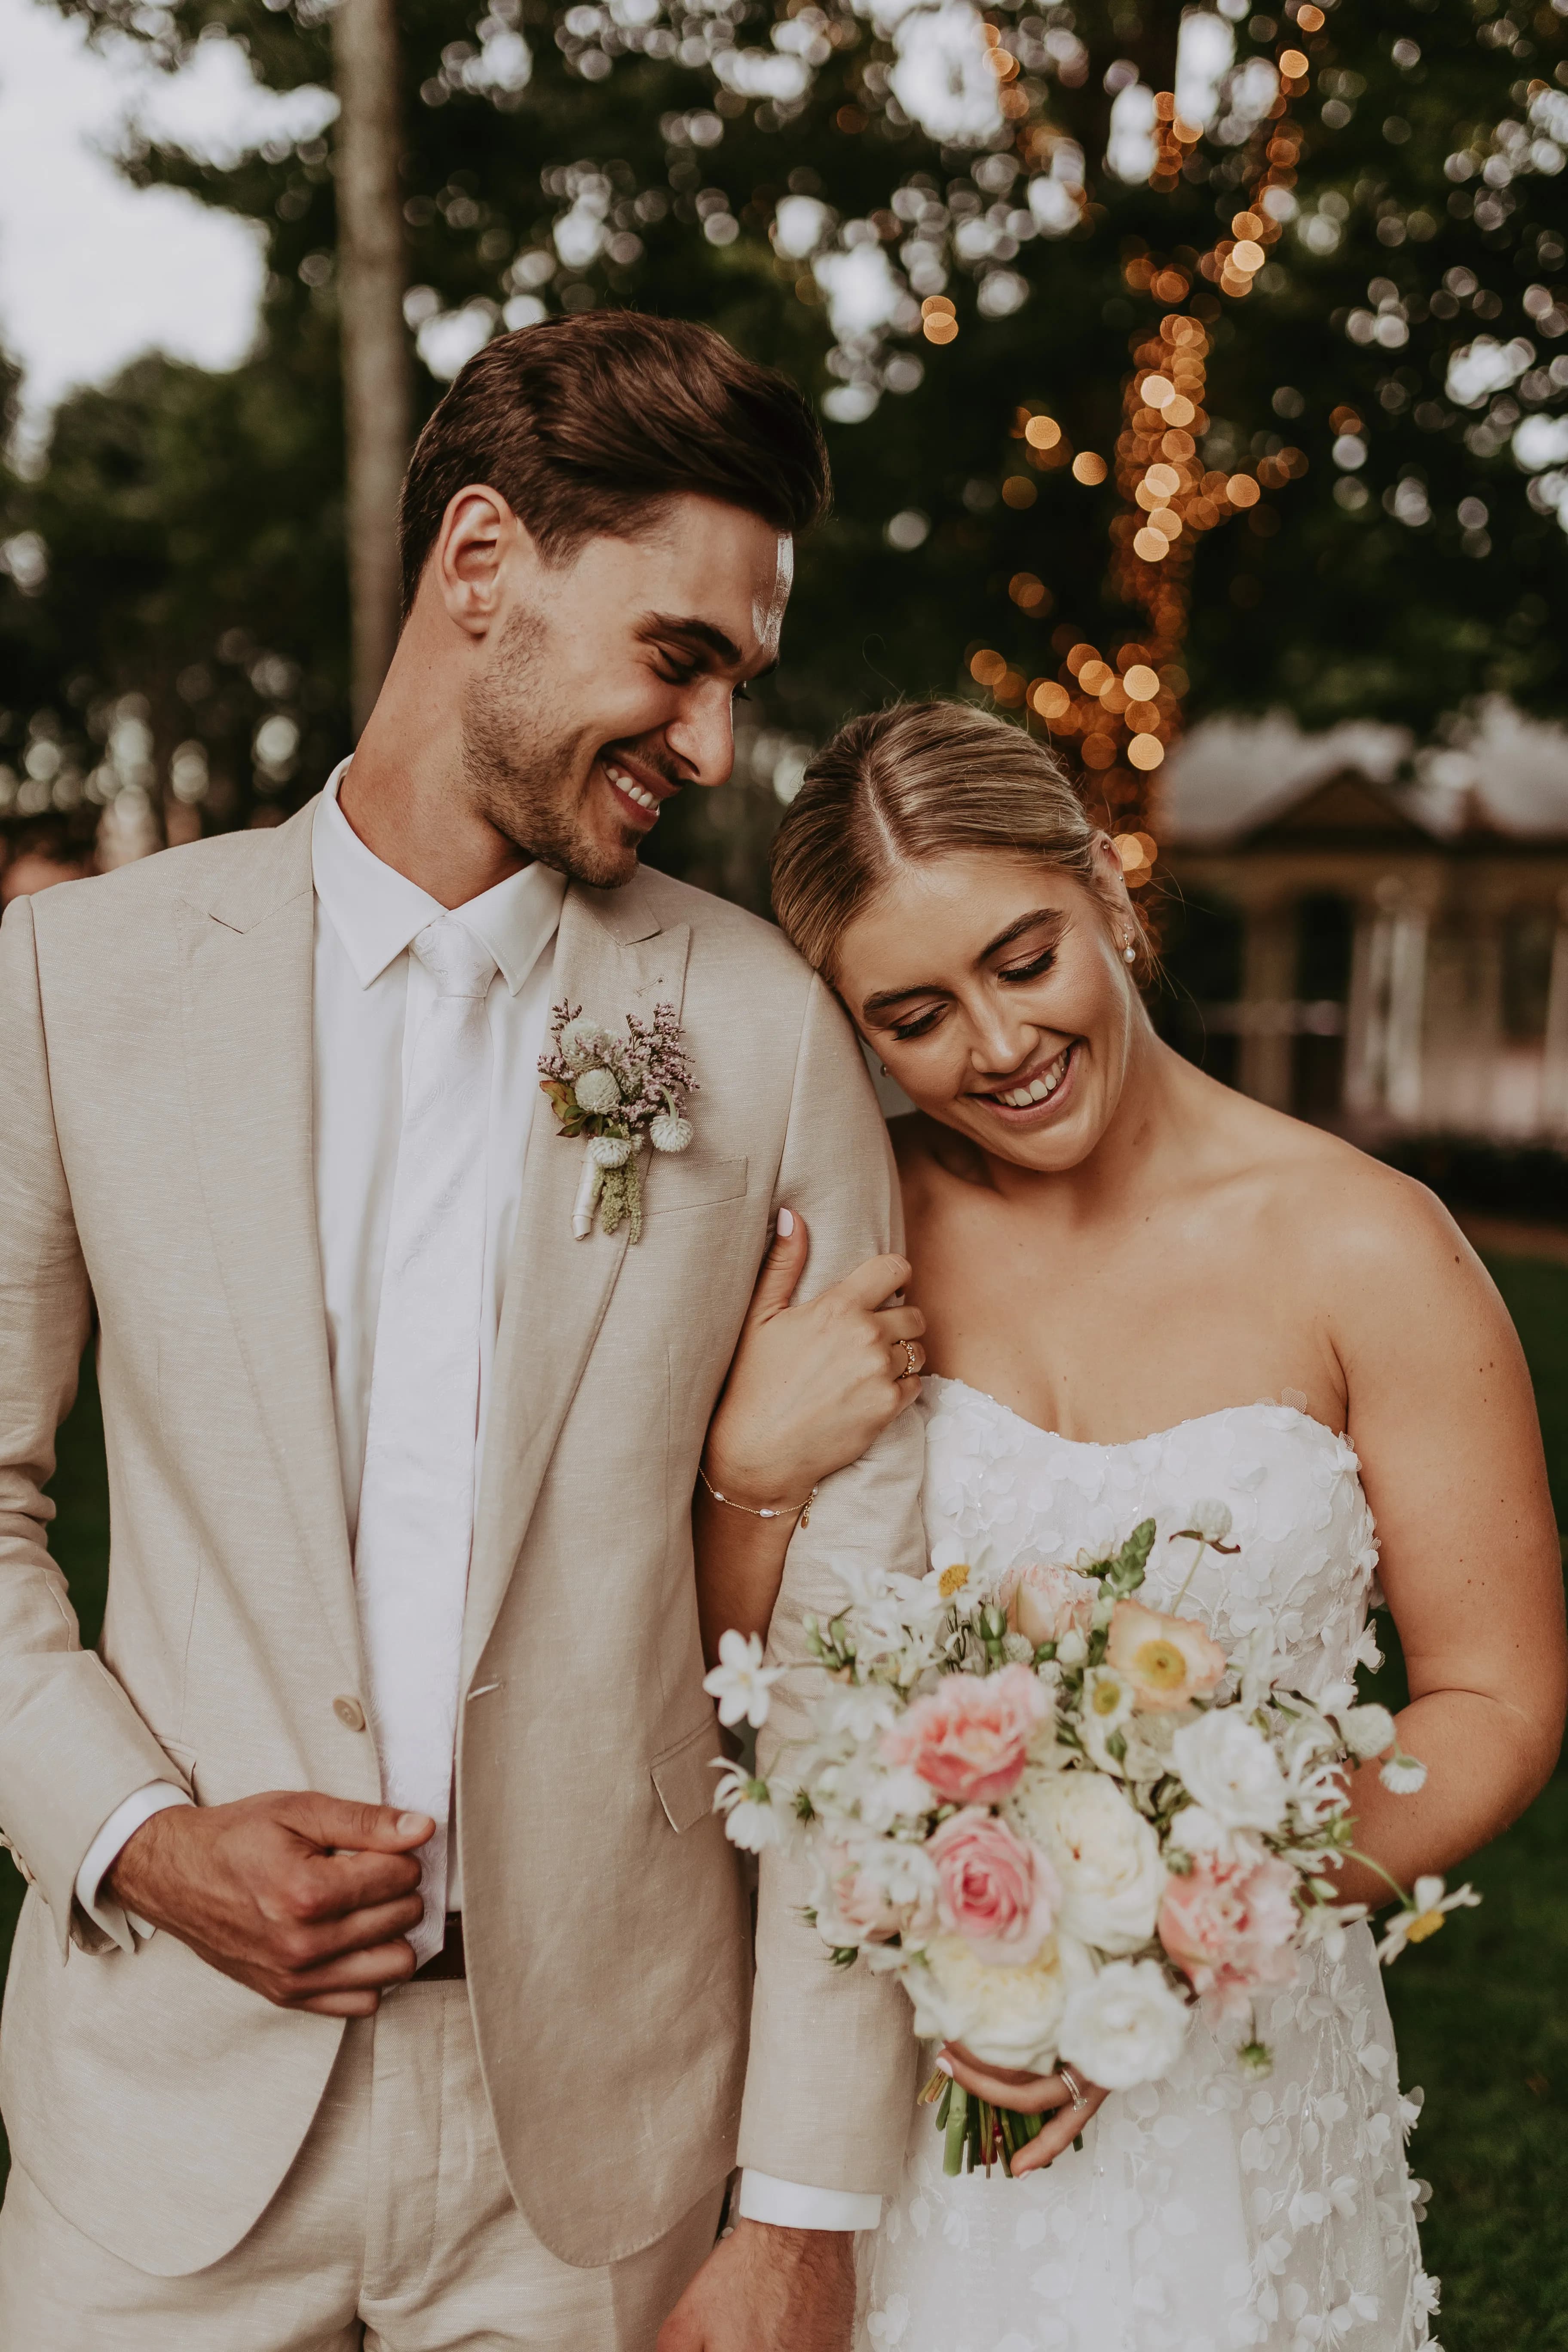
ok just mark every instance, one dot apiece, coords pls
pixel 1208 2211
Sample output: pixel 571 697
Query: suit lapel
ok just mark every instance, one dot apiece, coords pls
pixel 611 959
pixel 247 969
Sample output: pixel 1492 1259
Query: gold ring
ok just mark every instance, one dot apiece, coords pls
pixel 911 1359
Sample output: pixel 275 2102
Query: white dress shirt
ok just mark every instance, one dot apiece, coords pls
pixel 370 996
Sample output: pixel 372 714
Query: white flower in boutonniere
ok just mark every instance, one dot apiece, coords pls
pixel 614 1092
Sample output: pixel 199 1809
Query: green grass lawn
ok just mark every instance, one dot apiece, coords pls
pixel 1480 2010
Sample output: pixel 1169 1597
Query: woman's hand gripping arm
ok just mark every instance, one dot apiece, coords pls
pixel 808 1390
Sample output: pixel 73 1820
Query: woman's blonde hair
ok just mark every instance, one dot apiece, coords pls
pixel 922 780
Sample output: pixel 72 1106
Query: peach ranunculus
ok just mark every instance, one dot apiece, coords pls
pixel 1045 1604
pixel 1167 1660
pixel 999 1893
pixel 1228 1927
pixel 967 1738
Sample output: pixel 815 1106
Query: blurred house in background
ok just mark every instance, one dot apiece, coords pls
pixel 1386 957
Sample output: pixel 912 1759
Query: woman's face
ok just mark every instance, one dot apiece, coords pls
pixel 997 994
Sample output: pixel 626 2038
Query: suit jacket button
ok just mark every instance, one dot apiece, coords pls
pixel 349 1713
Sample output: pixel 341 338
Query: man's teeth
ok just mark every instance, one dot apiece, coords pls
pixel 1022 1097
pixel 634 791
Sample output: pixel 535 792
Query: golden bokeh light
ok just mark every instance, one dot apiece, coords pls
pixel 940 327
pixel 1094 675
pixel 1164 481
pixel 1143 716
pixel 1078 655
pixel 1293 64
pixel 1141 682
pixel 1151 545
pixel 1157 390
pixel 1247 225
pixel 987 668
pixel 1042 432
pixel 1247 255
pixel 1309 19
pixel 1019 491
pixel 1242 490
pixel 1087 467
pixel 1030 591
pixel 1099 751
pixel 1167 521
pixel 1146 751
pixel 1049 699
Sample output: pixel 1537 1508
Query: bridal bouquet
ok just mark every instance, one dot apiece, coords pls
pixel 1062 1819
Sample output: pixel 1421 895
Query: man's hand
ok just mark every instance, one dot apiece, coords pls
pixel 307 1899
pixel 768 2290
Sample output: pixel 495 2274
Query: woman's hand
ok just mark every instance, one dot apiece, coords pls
pixel 812 1386
pixel 1030 2095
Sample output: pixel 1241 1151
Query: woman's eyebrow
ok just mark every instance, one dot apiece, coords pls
pixel 886 998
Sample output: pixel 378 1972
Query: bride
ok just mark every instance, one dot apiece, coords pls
pixel 1140 1289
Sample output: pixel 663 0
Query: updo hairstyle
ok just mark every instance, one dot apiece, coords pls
pixel 923 780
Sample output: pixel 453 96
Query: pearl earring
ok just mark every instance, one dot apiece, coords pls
pixel 1130 952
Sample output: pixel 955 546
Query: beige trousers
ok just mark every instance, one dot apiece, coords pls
pixel 394 2231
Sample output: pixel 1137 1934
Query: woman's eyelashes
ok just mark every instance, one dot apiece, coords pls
pixel 1013 974
pixel 918 1025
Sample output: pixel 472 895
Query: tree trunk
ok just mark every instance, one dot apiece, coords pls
pixel 377 391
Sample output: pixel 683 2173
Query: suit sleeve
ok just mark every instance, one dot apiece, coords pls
pixel 830 2081
pixel 72 1747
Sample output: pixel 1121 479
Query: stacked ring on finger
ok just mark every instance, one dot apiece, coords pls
pixel 911 1359
pixel 1076 2091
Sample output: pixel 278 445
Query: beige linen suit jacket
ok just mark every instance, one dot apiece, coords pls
pixel 155 1159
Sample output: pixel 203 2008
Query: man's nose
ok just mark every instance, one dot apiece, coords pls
pixel 703 736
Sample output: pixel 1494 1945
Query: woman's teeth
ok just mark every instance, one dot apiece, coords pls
pixel 1023 1098
pixel 634 791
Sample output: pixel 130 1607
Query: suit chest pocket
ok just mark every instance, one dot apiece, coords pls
pixel 689 1179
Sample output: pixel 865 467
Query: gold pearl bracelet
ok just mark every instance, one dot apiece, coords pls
pixel 781 1511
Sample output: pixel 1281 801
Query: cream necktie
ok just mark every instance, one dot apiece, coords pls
pixel 417 1502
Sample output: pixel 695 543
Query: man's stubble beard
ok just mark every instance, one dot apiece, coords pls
pixel 520 762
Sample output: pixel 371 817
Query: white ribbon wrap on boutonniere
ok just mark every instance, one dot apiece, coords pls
pixel 616 1093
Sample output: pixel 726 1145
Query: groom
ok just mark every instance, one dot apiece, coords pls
pixel 384 1975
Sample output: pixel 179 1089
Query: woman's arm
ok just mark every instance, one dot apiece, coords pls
pixel 809 1390
pixel 1443 1418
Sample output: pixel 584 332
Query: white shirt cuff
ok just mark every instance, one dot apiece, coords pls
pixel 790 2206
pixel 104 1851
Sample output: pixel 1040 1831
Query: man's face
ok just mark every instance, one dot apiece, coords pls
pixel 607 682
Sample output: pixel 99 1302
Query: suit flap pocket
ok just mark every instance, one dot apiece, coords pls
pixel 685 1778
pixel 689 1179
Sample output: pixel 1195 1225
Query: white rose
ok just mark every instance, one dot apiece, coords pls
pixel 1005 2016
pixel 1368 1731
pixel 1230 1770
pixel 1198 1834
pixel 1126 2027
pixel 1107 1856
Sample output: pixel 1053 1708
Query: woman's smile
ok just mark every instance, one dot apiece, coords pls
pixel 1039 1093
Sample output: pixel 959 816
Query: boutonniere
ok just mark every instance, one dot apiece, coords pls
pixel 614 1092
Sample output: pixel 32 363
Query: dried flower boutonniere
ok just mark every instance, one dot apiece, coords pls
pixel 615 1092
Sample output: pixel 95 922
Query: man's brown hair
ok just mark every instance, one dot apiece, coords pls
pixel 581 424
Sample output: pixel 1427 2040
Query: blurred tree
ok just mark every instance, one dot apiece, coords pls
pixel 955 223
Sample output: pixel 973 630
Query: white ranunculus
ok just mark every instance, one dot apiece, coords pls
pixel 1229 1768
pixel 1106 1855
pixel 1211 1519
pixel 1005 2016
pixel 1126 2027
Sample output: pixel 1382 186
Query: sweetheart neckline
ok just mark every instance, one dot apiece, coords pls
pixel 1123 1444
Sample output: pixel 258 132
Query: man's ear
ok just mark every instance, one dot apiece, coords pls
pixel 478 534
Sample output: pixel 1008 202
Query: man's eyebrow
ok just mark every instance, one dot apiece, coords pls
pixel 886 997
pixel 699 633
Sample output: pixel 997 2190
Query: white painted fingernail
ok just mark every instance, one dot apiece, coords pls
pixel 786 1224
pixel 944 2066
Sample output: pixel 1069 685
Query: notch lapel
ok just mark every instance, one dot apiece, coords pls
pixel 611 957
pixel 248 971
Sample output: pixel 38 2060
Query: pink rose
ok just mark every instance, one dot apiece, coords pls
pixel 1229 1926
pixel 1167 1660
pixel 1046 1603
pixel 968 1739
pixel 1000 1895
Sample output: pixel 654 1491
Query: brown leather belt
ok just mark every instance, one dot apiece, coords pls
pixel 447 1963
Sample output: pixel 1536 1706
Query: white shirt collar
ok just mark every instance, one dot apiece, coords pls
pixel 376 912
